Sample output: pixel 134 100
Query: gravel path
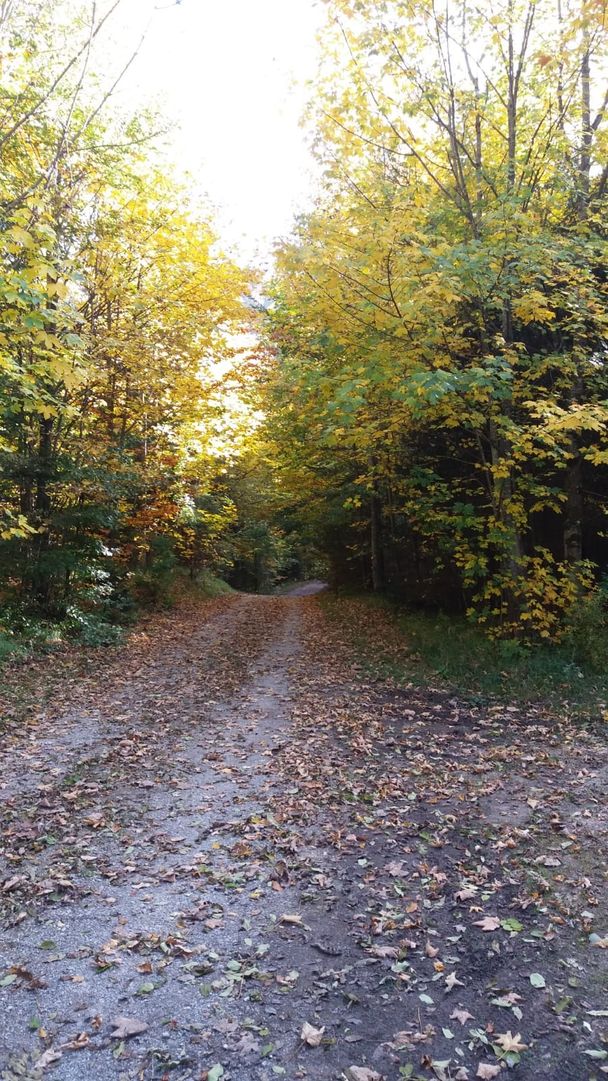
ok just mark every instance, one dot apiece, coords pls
pixel 222 832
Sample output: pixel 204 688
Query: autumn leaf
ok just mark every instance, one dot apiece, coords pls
pixel 488 923
pixel 123 1027
pixel 487 1071
pixel 461 1015
pixel 385 951
pixel 311 1035
pixel 508 1042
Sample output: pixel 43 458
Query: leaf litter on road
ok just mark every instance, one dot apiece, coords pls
pixel 229 827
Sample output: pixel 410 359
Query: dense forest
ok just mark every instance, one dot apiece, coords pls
pixel 122 323
pixel 416 403
pixel 441 316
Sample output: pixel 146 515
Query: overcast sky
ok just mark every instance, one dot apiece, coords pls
pixel 232 75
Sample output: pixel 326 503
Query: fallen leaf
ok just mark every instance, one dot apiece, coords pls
pixel 488 923
pixel 537 979
pixel 47 1058
pixel 127 1026
pixel 487 1071
pixel 509 1042
pixel 451 981
pixel 461 1015
pixel 362 1073
pixel 385 951
pixel 311 1035
pixel 466 894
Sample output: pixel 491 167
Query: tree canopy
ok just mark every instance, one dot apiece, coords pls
pixel 419 397
pixel 441 315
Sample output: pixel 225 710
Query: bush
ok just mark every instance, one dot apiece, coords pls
pixel 586 629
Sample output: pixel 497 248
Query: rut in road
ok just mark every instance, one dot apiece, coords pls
pixel 225 831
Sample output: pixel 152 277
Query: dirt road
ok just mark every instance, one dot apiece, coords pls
pixel 224 831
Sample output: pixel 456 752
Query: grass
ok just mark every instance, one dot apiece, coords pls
pixel 208 585
pixel 421 647
pixel 9 646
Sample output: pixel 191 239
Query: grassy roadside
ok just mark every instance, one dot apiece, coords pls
pixel 22 634
pixel 422 648
pixel 39 655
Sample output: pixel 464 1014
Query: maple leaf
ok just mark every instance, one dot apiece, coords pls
pixel 466 894
pixel 461 1015
pixel 509 1042
pixel 452 981
pixel 511 998
pixel 487 1071
pixel 488 923
pixel 395 868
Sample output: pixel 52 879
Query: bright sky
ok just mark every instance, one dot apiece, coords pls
pixel 232 75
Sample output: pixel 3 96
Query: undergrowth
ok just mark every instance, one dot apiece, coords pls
pixel 23 633
pixel 422 648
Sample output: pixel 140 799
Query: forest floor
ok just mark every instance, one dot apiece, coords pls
pixel 228 852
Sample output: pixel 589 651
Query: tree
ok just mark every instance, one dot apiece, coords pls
pixel 452 289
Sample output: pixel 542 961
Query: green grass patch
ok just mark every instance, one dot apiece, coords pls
pixel 446 650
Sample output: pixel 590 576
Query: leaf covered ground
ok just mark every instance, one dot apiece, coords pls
pixel 228 852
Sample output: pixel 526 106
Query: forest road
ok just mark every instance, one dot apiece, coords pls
pixel 225 830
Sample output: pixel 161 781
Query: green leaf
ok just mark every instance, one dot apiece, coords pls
pixel 511 924
pixel 537 979
pixel 215 1073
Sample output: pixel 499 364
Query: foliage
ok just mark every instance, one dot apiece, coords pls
pixel 435 648
pixel 120 320
pixel 440 319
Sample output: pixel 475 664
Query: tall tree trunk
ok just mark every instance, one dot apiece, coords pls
pixel 41 577
pixel 573 525
pixel 377 555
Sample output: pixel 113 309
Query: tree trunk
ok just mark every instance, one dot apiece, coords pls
pixel 41 577
pixel 377 556
pixel 573 526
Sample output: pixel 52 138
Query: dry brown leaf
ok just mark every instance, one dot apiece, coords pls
pixel 488 923
pixel 509 1042
pixel 311 1035
pixel 47 1058
pixel 461 1015
pixel 487 1070
pixel 127 1026
pixel 385 951
pixel 466 894
pixel 451 981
